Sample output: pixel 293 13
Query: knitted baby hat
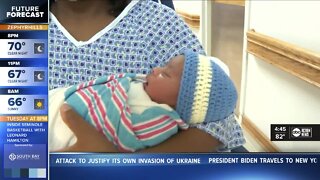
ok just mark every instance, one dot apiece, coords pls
pixel 206 92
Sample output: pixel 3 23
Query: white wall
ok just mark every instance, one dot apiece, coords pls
pixel 294 21
pixel 192 7
pixel 271 95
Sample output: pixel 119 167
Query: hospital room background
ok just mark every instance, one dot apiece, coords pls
pixel 272 49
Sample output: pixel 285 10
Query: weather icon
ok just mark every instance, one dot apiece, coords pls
pixel 38 76
pixel 38 48
pixel 38 104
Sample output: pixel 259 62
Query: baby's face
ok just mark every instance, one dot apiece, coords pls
pixel 163 83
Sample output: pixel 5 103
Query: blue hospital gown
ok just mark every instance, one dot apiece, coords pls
pixel 145 35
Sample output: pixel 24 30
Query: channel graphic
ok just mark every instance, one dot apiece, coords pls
pixel 24 89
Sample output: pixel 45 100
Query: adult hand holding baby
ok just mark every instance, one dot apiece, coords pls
pixel 84 133
pixel 187 140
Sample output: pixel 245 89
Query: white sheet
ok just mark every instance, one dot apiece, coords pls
pixel 60 136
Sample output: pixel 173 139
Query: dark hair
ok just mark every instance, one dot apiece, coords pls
pixel 117 6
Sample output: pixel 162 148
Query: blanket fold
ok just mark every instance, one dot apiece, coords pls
pixel 103 103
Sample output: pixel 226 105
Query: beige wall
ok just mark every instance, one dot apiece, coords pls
pixel 227 38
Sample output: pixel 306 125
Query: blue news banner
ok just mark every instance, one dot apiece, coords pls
pixel 185 166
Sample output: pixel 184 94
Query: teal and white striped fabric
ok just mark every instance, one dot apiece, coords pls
pixel 103 103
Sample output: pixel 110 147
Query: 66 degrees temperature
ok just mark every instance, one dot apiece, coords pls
pixel 15 103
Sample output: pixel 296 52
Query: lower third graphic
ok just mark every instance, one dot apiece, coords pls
pixel 295 132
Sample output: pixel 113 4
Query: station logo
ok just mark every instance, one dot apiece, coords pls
pixel 301 132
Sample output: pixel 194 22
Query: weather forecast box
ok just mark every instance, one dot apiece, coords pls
pixel 24 104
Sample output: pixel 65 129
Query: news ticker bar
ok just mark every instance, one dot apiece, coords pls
pixel 185 166
pixel 295 132
pixel 98 159
pixel 24 89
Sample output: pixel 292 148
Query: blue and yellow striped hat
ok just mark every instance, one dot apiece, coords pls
pixel 206 92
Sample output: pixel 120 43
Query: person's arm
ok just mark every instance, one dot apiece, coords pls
pixel 90 140
pixel 191 140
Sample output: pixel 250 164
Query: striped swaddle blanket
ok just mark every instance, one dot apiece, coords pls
pixel 103 103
